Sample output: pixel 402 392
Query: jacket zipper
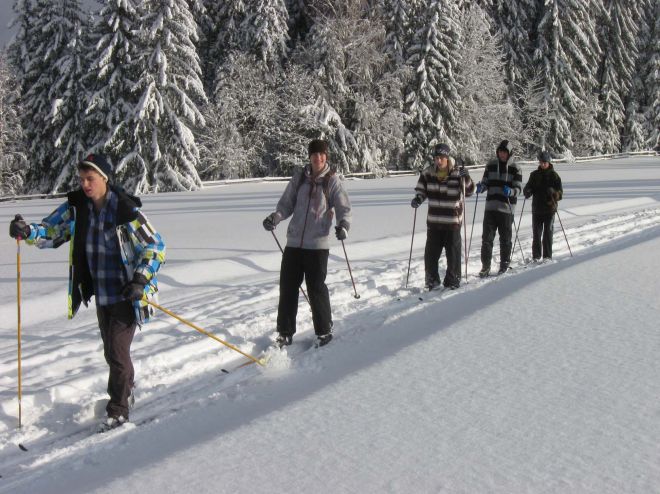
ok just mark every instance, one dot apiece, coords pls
pixel 309 201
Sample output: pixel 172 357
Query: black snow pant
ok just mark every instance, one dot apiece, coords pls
pixel 436 240
pixel 542 228
pixel 117 323
pixel 503 224
pixel 312 265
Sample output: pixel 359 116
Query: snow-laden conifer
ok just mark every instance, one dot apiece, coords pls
pixel 566 56
pixel 619 40
pixel 113 71
pixel 266 30
pixel 50 56
pixel 12 156
pixel 432 99
pixel 168 89
pixel 486 114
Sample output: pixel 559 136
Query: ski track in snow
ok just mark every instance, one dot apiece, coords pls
pixel 176 372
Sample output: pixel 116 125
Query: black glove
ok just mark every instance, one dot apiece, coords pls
pixel 417 201
pixel 528 193
pixel 341 233
pixel 462 172
pixel 134 290
pixel 18 228
pixel 269 222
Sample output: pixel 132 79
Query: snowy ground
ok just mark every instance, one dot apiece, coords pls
pixel 542 380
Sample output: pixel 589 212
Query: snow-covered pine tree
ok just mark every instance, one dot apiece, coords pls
pixel 486 114
pixel 618 34
pixel 360 89
pixel 300 21
pixel 432 99
pixel 566 57
pixel 113 71
pixel 12 146
pixel 515 21
pixel 652 80
pixel 169 88
pixel 50 53
pixel 396 18
pixel 634 137
pixel 258 126
pixel 69 96
pixel 266 31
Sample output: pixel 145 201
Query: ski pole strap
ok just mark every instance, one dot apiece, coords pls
pixel 210 335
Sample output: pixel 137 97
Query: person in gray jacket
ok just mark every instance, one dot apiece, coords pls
pixel 312 197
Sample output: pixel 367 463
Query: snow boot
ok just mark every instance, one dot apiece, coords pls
pixel 111 423
pixel 283 340
pixel 323 339
pixel 484 272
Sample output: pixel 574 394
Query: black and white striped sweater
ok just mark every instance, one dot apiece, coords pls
pixel 445 204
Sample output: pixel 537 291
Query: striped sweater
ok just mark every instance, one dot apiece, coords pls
pixel 496 176
pixel 444 195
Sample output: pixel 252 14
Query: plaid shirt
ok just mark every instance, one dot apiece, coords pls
pixel 103 254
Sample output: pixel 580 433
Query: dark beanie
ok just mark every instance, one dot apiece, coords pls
pixel 505 146
pixel 441 150
pixel 317 146
pixel 99 163
pixel 544 156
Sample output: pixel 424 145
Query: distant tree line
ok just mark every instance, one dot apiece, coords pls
pixel 180 91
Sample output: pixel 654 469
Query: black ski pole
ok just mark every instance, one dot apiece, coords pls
pixel 349 270
pixel 411 246
pixel 518 228
pixel 474 217
pixel 562 229
pixel 513 220
pixel 464 232
pixel 282 251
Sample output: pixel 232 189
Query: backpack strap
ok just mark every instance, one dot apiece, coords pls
pixel 325 183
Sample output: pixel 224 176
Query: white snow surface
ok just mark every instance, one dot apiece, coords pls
pixel 543 380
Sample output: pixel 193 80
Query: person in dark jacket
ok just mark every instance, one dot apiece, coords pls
pixel 544 186
pixel 503 181
pixel 115 254
pixel 442 184
pixel 311 198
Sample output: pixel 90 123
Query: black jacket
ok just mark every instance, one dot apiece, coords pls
pixel 545 187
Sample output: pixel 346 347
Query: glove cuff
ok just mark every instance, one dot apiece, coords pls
pixel 139 279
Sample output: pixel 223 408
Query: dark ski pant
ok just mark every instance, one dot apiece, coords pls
pixel 496 221
pixel 312 265
pixel 117 324
pixel 542 229
pixel 436 241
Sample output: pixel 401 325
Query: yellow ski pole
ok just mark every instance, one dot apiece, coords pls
pixel 18 304
pixel 210 335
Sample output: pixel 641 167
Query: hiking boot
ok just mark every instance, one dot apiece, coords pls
pixel 484 272
pixel 432 285
pixel 324 339
pixel 283 340
pixel 503 268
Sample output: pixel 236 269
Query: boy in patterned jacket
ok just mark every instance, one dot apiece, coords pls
pixel 114 255
pixel 443 184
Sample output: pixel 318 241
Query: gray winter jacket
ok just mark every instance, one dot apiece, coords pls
pixel 312 208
